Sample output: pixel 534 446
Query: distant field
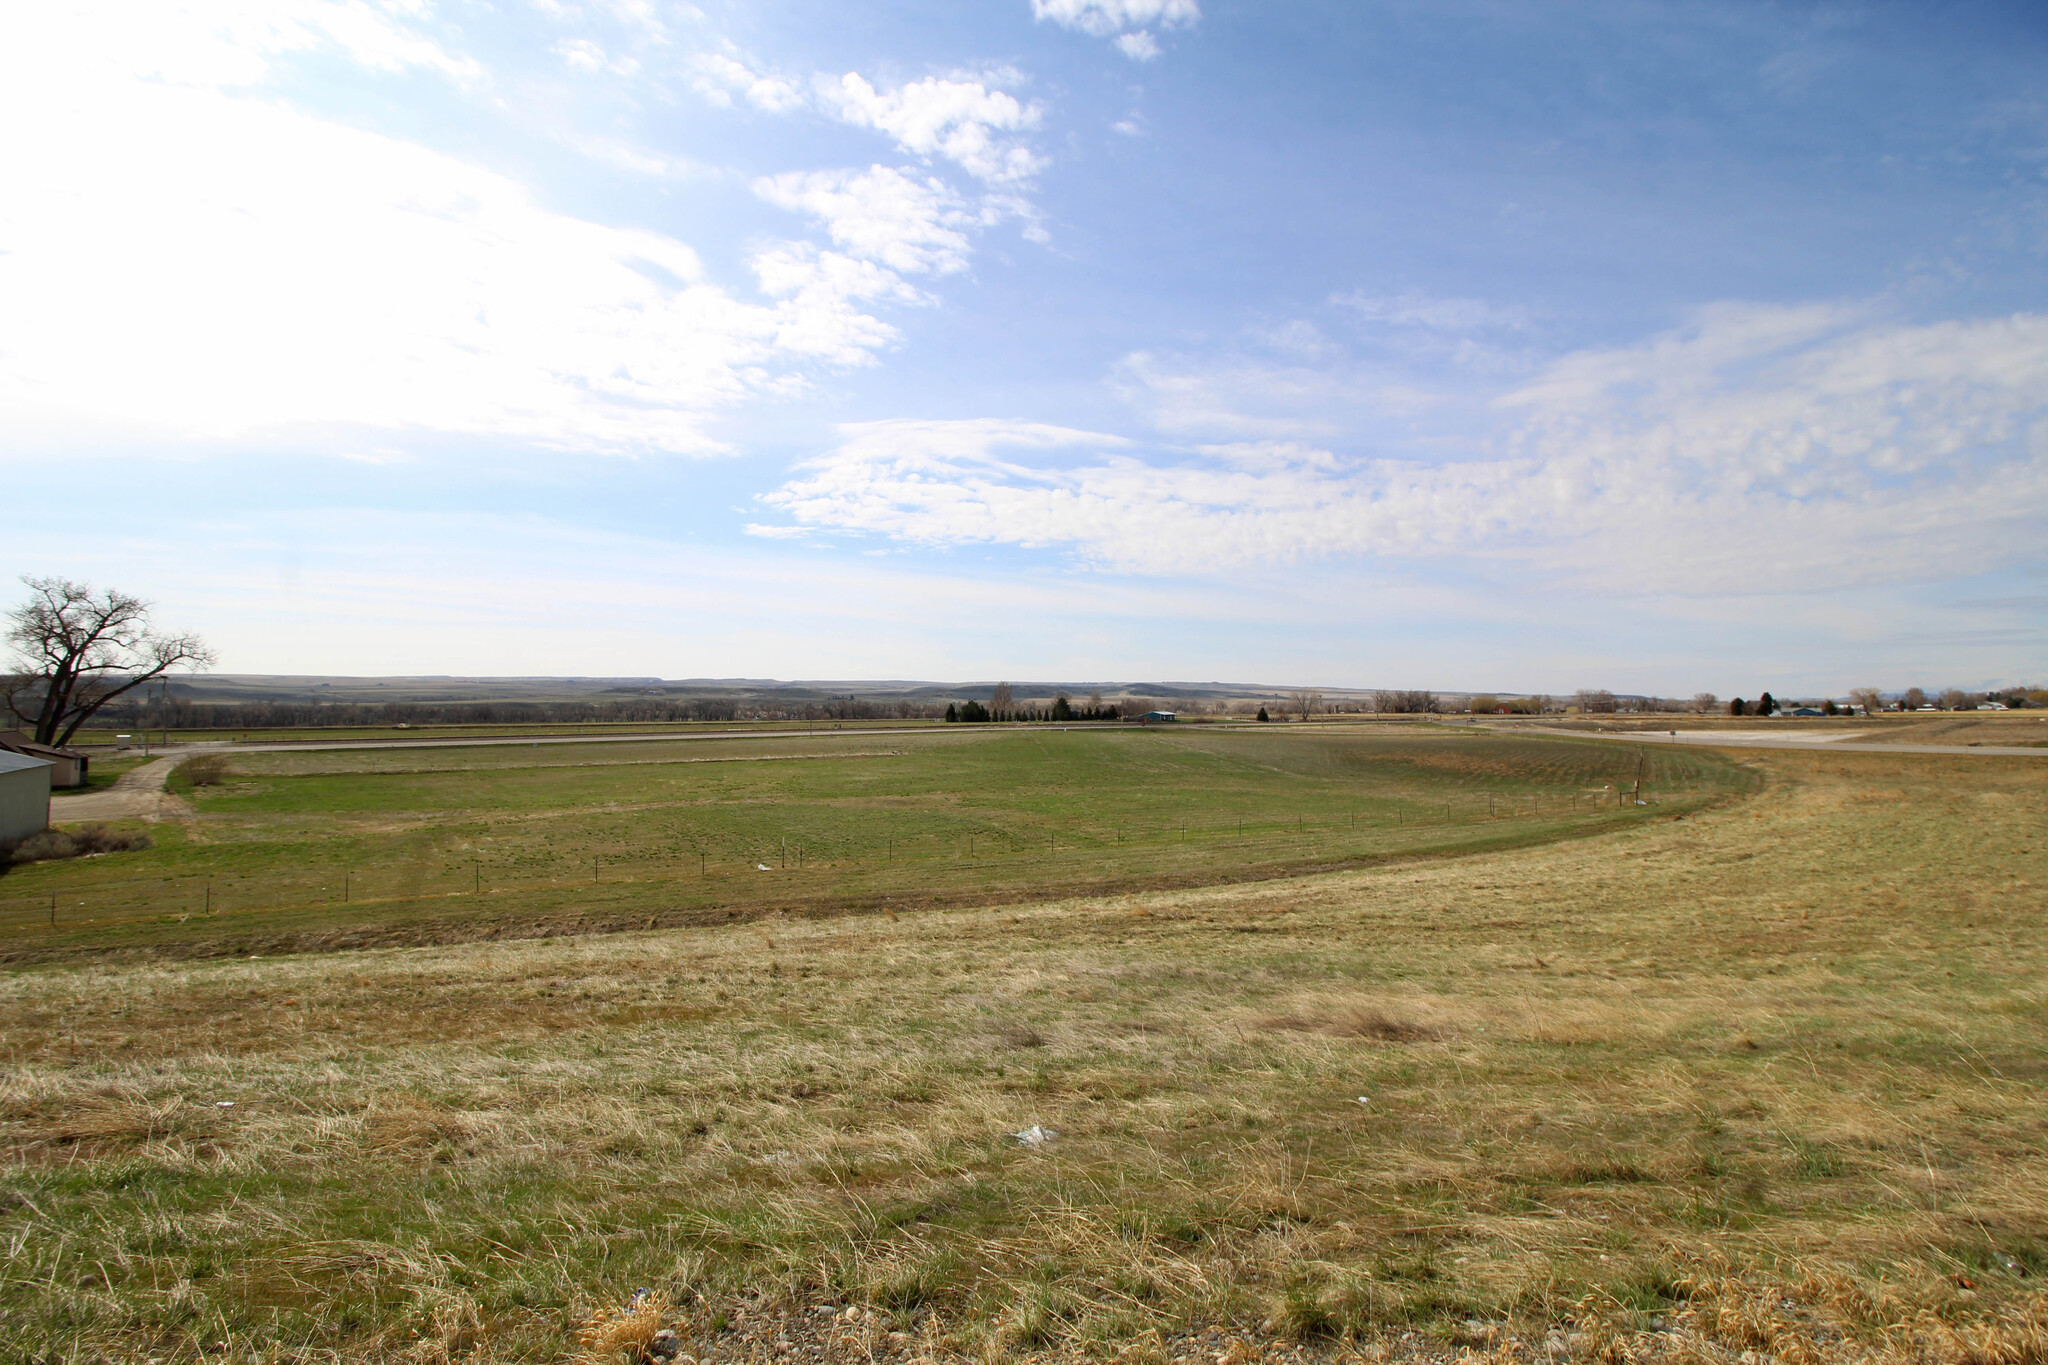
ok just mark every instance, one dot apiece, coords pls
pixel 1765 1083
pixel 349 733
pixel 346 848
pixel 2027 728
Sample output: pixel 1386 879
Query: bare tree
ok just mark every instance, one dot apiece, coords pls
pixel 1955 699
pixel 1913 700
pixel 1304 704
pixel 1484 704
pixel 1869 698
pixel 999 702
pixel 1422 702
pixel 1596 701
pixel 1703 703
pixel 76 649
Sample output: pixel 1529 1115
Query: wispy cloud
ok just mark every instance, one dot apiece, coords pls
pixel 908 224
pixel 1759 449
pixel 271 271
pixel 1434 312
pixel 966 121
pixel 1127 23
pixel 719 76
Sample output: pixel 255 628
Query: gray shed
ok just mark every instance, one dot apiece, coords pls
pixel 24 795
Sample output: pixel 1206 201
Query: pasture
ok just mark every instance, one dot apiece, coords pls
pixel 367 846
pixel 1755 1070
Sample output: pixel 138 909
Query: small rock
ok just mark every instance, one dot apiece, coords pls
pixel 664 1345
pixel 1036 1135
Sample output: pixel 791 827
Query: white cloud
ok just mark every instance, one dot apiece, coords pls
pixel 1139 45
pixel 1759 450
pixel 719 76
pixel 881 214
pixel 819 290
pixel 185 263
pixel 589 57
pixel 1125 22
pixel 964 121
pixel 1105 17
pixel 213 43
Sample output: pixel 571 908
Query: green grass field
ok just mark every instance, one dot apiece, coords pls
pixel 360 846
pixel 1751 1075
pixel 106 736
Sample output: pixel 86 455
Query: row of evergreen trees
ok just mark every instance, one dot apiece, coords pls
pixel 1060 710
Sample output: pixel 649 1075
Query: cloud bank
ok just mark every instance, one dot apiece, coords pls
pixel 188 259
pixel 1760 448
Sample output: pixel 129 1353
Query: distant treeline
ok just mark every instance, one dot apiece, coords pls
pixel 1061 710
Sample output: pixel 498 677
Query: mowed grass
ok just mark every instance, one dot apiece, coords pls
pixel 1768 1078
pixel 356 847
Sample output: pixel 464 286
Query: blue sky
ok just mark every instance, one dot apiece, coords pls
pixel 1484 345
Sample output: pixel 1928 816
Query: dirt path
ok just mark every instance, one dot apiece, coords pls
pixel 135 795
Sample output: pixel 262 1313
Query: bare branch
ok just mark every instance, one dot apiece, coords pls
pixel 76 649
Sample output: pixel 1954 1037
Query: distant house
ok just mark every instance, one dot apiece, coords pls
pixel 1806 711
pixel 24 795
pixel 1158 717
pixel 68 765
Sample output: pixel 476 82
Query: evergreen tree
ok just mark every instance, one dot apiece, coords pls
pixel 1263 715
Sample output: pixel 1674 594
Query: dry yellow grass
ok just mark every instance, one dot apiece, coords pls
pixel 1766 1079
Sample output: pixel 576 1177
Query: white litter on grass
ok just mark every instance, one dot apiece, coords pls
pixel 223 1104
pixel 1036 1136
pixel 760 867
pixel 1365 1099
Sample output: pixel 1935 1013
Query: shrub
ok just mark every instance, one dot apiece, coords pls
pixel 53 845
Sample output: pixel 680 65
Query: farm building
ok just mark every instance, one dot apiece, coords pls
pixel 24 795
pixel 67 765
pixel 1159 717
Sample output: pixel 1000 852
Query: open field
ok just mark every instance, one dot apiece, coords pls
pixel 1964 728
pixel 361 847
pixel 1767 1078
pixel 104 737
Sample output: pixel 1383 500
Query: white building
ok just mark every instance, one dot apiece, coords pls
pixel 24 795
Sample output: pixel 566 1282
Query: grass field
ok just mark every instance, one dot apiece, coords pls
pixel 326 848
pixel 1963 728
pixel 105 737
pixel 1761 1080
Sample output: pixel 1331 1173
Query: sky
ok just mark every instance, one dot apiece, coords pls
pixel 1458 344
